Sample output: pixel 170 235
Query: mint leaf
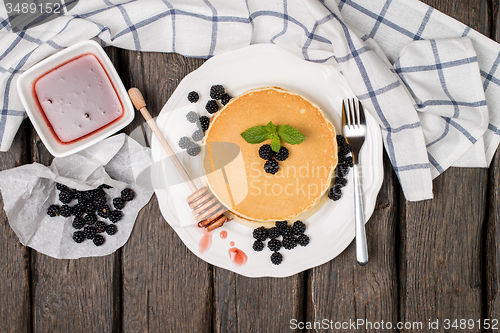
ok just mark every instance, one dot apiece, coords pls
pixel 290 135
pixel 256 134
pixel 275 143
pixel 271 128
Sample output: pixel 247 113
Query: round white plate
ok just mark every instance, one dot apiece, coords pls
pixel 331 229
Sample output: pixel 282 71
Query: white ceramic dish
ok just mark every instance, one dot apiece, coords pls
pixel 25 87
pixel 331 229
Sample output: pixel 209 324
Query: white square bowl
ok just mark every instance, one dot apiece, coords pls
pixel 25 84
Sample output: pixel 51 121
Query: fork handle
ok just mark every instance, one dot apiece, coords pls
pixel 359 218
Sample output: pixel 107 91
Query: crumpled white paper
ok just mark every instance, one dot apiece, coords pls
pixel 29 190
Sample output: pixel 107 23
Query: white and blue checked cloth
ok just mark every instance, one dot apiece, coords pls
pixel 430 81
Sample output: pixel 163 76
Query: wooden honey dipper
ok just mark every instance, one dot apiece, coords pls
pixel 208 211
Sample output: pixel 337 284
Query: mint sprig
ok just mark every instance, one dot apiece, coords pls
pixel 287 133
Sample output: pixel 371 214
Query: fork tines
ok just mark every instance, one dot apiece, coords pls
pixel 352 116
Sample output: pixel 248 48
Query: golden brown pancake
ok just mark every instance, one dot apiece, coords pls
pixel 303 178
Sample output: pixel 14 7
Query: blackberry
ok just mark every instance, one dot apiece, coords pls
pixel 298 228
pixel 81 196
pixel 111 229
pixel 274 232
pixel 78 209
pixel 65 196
pixel 198 135
pixel 335 194
pixel 274 245
pixel 98 193
pixel 193 97
pixel 217 91
pixel 90 232
pixel 205 123
pixel 118 203
pixel 341 141
pixel 303 240
pixel 78 236
pixel 90 219
pixel 184 142
pixel 78 223
pixel 212 106
pixel 289 242
pixel 115 216
pixel 283 227
pixel 100 226
pixel 61 187
pixel 65 211
pixel 99 201
pixel 127 194
pixel 53 210
pixel 90 208
pixel 345 149
pixel 281 224
pixel 340 181
pixel 260 233
pixel 276 258
pixel 193 150
pixel 103 211
pixel 192 117
pixel 265 152
pixel 258 245
pixel 99 240
pixel 349 161
pixel 225 99
pixel 342 170
pixel 271 166
pixel 282 154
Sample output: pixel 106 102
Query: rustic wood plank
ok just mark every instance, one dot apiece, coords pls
pixel 15 308
pixel 164 284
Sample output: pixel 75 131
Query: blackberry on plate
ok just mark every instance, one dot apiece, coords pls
pixel 61 187
pixel 118 203
pixel 342 170
pixel 65 211
pixel 65 196
pixel 193 150
pixel 225 99
pixel 281 224
pixel 265 152
pixel 282 154
pixel 78 236
pixel 217 91
pixel 258 245
pixel 99 201
pixel 341 141
pixel 274 245
pixel 205 122
pixel 78 209
pixel 100 226
pixel 184 142
pixel 340 181
pixel 345 149
pixel 274 232
pixel 298 228
pixel 193 96
pixel 115 216
pixel 212 106
pixel 271 167
pixel 90 207
pixel 90 219
pixel 276 258
pixel 192 116
pixel 260 233
pixel 90 232
pixel 111 229
pixel 349 161
pixel 78 223
pixel 303 240
pixel 103 211
pixel 198 135
pixel 98 240
pixel 289 242
pixel 127 194
pixel 335 194
pixel 53 210
pixel 81 196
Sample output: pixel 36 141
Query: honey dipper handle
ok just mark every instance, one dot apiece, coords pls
pixel 140 104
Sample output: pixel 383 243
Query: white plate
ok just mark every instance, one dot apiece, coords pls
pixel 331 229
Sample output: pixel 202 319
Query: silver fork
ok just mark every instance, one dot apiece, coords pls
pixel 354 126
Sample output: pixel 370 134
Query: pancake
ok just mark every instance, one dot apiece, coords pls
pixel 242 185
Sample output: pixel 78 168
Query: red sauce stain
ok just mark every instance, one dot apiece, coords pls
pixel 223 234
pixel 232 243
pixel 205 241
pixel 238 257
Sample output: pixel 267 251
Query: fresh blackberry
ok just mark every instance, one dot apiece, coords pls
pixel 104 187
pixel 345 149
pixel 65 211
pixel 225 99
pixel 258 245
pixel 193 150
pixel 265 152
pixel 111 229
pixel 78 209
pixel 260 233
pixel 115 216
pixel 90 219
pixel 78 236
pixel 303 240
pixel 276 258
pixel 274 245
pixel 90 232
pixel 198 135
pixel 271 166
pixel 100 226
pixel 205 123
pixel 342 170
pixel 281 224
pixel 90 208
pixel 217 91
pixel 184 142
pixel 99 192
pixel 335 194
pixel 341 141
pixel 282 154
pixel 118 203
pixel 192 117
pixel 274 232
pixel 349 161
pixel 98 240
pixel 53 210
pixel 289 242
pixel 65 196
pixel 103 211
pixel 212 106
pixel 81 196
pixel 99 201
pixel 61 187
pixel 127 194
pixel 298 228
pixel 283 227
pixel 78 223
pixel 340 181
pixel 193 97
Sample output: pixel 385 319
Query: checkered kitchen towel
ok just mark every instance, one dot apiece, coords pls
pixel 415 69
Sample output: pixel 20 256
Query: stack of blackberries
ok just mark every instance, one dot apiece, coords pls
pixel 89 206
pixel 272 166
pixel 345 162
pixel 291 236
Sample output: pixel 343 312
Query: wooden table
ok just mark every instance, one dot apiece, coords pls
pixel 430 260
